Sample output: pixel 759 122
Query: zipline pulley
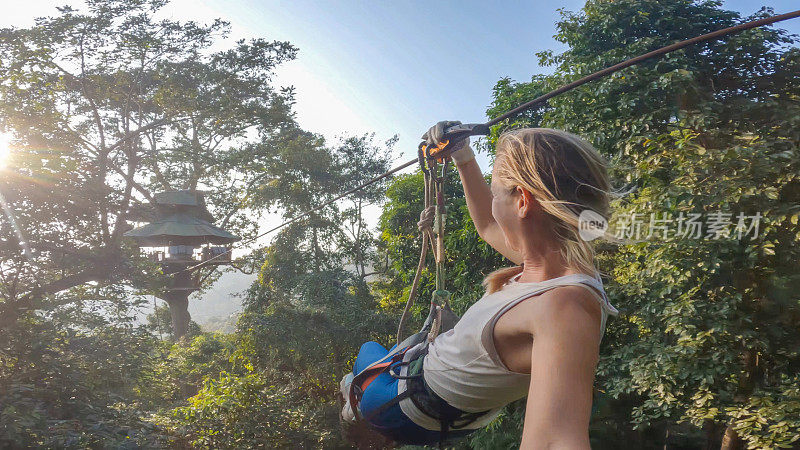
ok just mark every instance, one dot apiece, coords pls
pixel 451 136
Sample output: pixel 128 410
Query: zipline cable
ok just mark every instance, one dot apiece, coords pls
pixel 633 61
pixel 297 217
pixel 464 131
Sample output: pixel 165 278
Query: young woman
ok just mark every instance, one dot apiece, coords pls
pixel 536 332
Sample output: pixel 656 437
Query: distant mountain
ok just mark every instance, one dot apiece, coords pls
pixel 221 324
pixel 219 307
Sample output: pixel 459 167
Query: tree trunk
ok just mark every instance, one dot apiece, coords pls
pixel 315 252
pixel 731 440
pixel 178 301
pixel 711 430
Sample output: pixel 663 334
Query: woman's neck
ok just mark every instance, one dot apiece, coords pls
pixel 542 260
pixel 535 270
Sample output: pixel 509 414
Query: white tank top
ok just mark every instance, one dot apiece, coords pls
pixel 463 367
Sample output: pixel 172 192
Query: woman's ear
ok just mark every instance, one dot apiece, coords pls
pixel 525 202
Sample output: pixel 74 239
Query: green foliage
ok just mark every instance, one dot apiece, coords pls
pixel 160 321
pixel 248 411
pixel 504 433
pixel 180 368
pixel 708 333
pixel 68 387
pixel 770 418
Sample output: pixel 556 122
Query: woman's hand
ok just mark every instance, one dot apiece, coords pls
pixel 460 151
pixel 477 192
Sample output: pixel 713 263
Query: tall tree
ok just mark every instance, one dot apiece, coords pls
pixel 310 308
pixel 109 105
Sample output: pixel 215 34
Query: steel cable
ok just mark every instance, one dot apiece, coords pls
pixel 537 101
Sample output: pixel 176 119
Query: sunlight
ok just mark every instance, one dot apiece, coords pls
pixel 5 149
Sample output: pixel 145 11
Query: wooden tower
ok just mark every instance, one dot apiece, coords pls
pixel 180 235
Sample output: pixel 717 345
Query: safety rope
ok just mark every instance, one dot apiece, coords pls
pixel 431 222
pixel 426 221
pixel 440 298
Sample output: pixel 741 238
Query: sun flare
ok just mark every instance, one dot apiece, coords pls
pixel 5 149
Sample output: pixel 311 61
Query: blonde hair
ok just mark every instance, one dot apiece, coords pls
pixel 566 175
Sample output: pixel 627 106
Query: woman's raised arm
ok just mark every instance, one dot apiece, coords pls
pixel 477 191
pixel 479 203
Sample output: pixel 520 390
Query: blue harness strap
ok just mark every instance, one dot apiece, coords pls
pixel 452 420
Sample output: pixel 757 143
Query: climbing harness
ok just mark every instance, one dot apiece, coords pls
pixel 440 318
pixel 417 390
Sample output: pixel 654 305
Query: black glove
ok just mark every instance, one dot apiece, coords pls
pixel 459 151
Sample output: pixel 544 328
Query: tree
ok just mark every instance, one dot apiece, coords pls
pixel 77 378
pixel 705 349
pixel 110 106
pixel 310 309
pixel 358 160
pixel 305 276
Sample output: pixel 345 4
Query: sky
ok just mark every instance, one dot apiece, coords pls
pixel 386 67
pixel 375 66
pixel 390 67
pixel 399 67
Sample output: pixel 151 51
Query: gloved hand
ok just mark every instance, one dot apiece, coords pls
pixel 460 152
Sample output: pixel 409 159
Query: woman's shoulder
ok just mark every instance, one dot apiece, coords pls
pixel 564 308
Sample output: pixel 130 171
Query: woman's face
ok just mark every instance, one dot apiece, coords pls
pixel 506 209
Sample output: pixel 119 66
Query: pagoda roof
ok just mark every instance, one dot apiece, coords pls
pixel 183 197
pixel 171 202
pixel 180 229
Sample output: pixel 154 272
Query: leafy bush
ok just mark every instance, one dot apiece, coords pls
pixel 74 388
pixel 247 411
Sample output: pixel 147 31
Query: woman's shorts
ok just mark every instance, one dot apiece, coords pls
pixel 392 422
